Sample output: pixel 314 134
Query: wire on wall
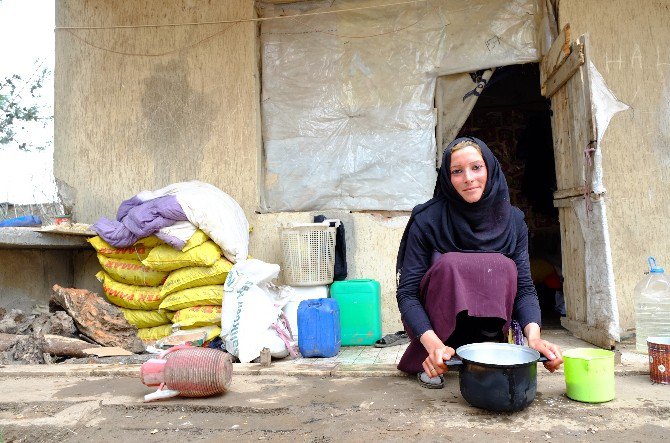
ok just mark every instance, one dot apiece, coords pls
pixel 71 29
pixel 244 20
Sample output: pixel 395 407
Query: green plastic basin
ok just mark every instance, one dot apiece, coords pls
pixel 589 374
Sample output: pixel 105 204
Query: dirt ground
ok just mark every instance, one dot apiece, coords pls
pixel 320 409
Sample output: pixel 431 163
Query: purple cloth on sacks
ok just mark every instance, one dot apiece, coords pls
pixel 141 219
pixel 483 284
pixel 127 205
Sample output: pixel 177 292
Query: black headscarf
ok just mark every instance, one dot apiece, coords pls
pixel 454 225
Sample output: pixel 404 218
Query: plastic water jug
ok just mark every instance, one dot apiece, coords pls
pixel 319 325
pixel 652 306
pixel 360 310
pixel 187 371
pixel 301 293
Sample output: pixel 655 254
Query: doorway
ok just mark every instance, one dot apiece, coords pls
pixel 514 120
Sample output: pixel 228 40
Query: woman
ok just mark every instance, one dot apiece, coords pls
pixel 463 268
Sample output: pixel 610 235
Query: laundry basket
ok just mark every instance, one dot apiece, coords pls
pixel 308 251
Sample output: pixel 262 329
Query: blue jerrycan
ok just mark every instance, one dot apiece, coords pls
pixel 319 326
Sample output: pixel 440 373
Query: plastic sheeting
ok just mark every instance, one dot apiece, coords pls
pixel 605 105
pixel 455 96
pixel 602 308
pixel 347 98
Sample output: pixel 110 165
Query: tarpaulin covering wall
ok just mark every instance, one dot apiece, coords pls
pixel 348 98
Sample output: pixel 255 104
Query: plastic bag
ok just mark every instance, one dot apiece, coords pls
pixel 251 312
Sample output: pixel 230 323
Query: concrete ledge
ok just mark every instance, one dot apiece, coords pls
pixel 278 368
pixel 34 238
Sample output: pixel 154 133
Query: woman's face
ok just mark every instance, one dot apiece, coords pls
pixel 468 173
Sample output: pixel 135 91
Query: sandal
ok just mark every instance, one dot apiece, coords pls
pixel 430 382
pixel 395 339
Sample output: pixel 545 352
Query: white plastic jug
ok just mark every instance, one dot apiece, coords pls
pixel 652 306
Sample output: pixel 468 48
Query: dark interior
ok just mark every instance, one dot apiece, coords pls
pixel 513 118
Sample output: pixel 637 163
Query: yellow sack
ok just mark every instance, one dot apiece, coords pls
pixel 155 333
pixel 166 258
pixel 128 296
pixel 198 238
pixel 150 242
pixel 138 251
pixel 192 277
pixel 131 272
pixel 147 319
pixel 198 316
pixel 198 296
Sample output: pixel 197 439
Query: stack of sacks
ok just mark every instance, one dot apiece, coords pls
pixel 193 290
pixel 199 225
pixel 134 287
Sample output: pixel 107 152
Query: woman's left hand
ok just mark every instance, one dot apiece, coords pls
pixel 549 350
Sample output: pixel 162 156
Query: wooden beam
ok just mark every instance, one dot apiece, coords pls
pixel 566 201
pixel 558 53
pixel 54 344
pixel 566 193
pixel 574 61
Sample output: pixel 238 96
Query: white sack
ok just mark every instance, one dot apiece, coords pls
pixel 251 305
pixel 214 212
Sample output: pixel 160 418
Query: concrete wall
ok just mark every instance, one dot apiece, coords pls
pixel 27 275
pixel 126 121
pixel 628 48
pixel 140 108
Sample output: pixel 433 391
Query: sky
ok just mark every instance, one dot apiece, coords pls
pixel 27 46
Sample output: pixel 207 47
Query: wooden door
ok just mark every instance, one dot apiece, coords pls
pixel 587 266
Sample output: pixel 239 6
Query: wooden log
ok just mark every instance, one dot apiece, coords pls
pixel 66 346
pixel 98 319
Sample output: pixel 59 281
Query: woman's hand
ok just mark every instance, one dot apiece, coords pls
pixel 438 352
pixel 548 349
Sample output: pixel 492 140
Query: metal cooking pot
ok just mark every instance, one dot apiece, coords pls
pixel 499 377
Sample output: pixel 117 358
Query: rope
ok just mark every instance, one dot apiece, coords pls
pixel 150 55
pixel 70 29
pixel 247 20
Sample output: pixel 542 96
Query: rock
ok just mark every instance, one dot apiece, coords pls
pixel 97 319
pixel 55 323
pixel 26 350
pixel 15 322
pixel 8 325
pixel 40 309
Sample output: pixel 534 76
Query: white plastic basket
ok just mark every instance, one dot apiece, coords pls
pixel 308 251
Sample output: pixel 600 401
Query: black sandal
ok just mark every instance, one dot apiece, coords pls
pixel 395 339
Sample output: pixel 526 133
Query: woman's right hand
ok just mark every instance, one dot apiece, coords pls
pixel 438 352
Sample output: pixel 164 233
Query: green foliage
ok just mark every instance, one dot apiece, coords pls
pixel 14 112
